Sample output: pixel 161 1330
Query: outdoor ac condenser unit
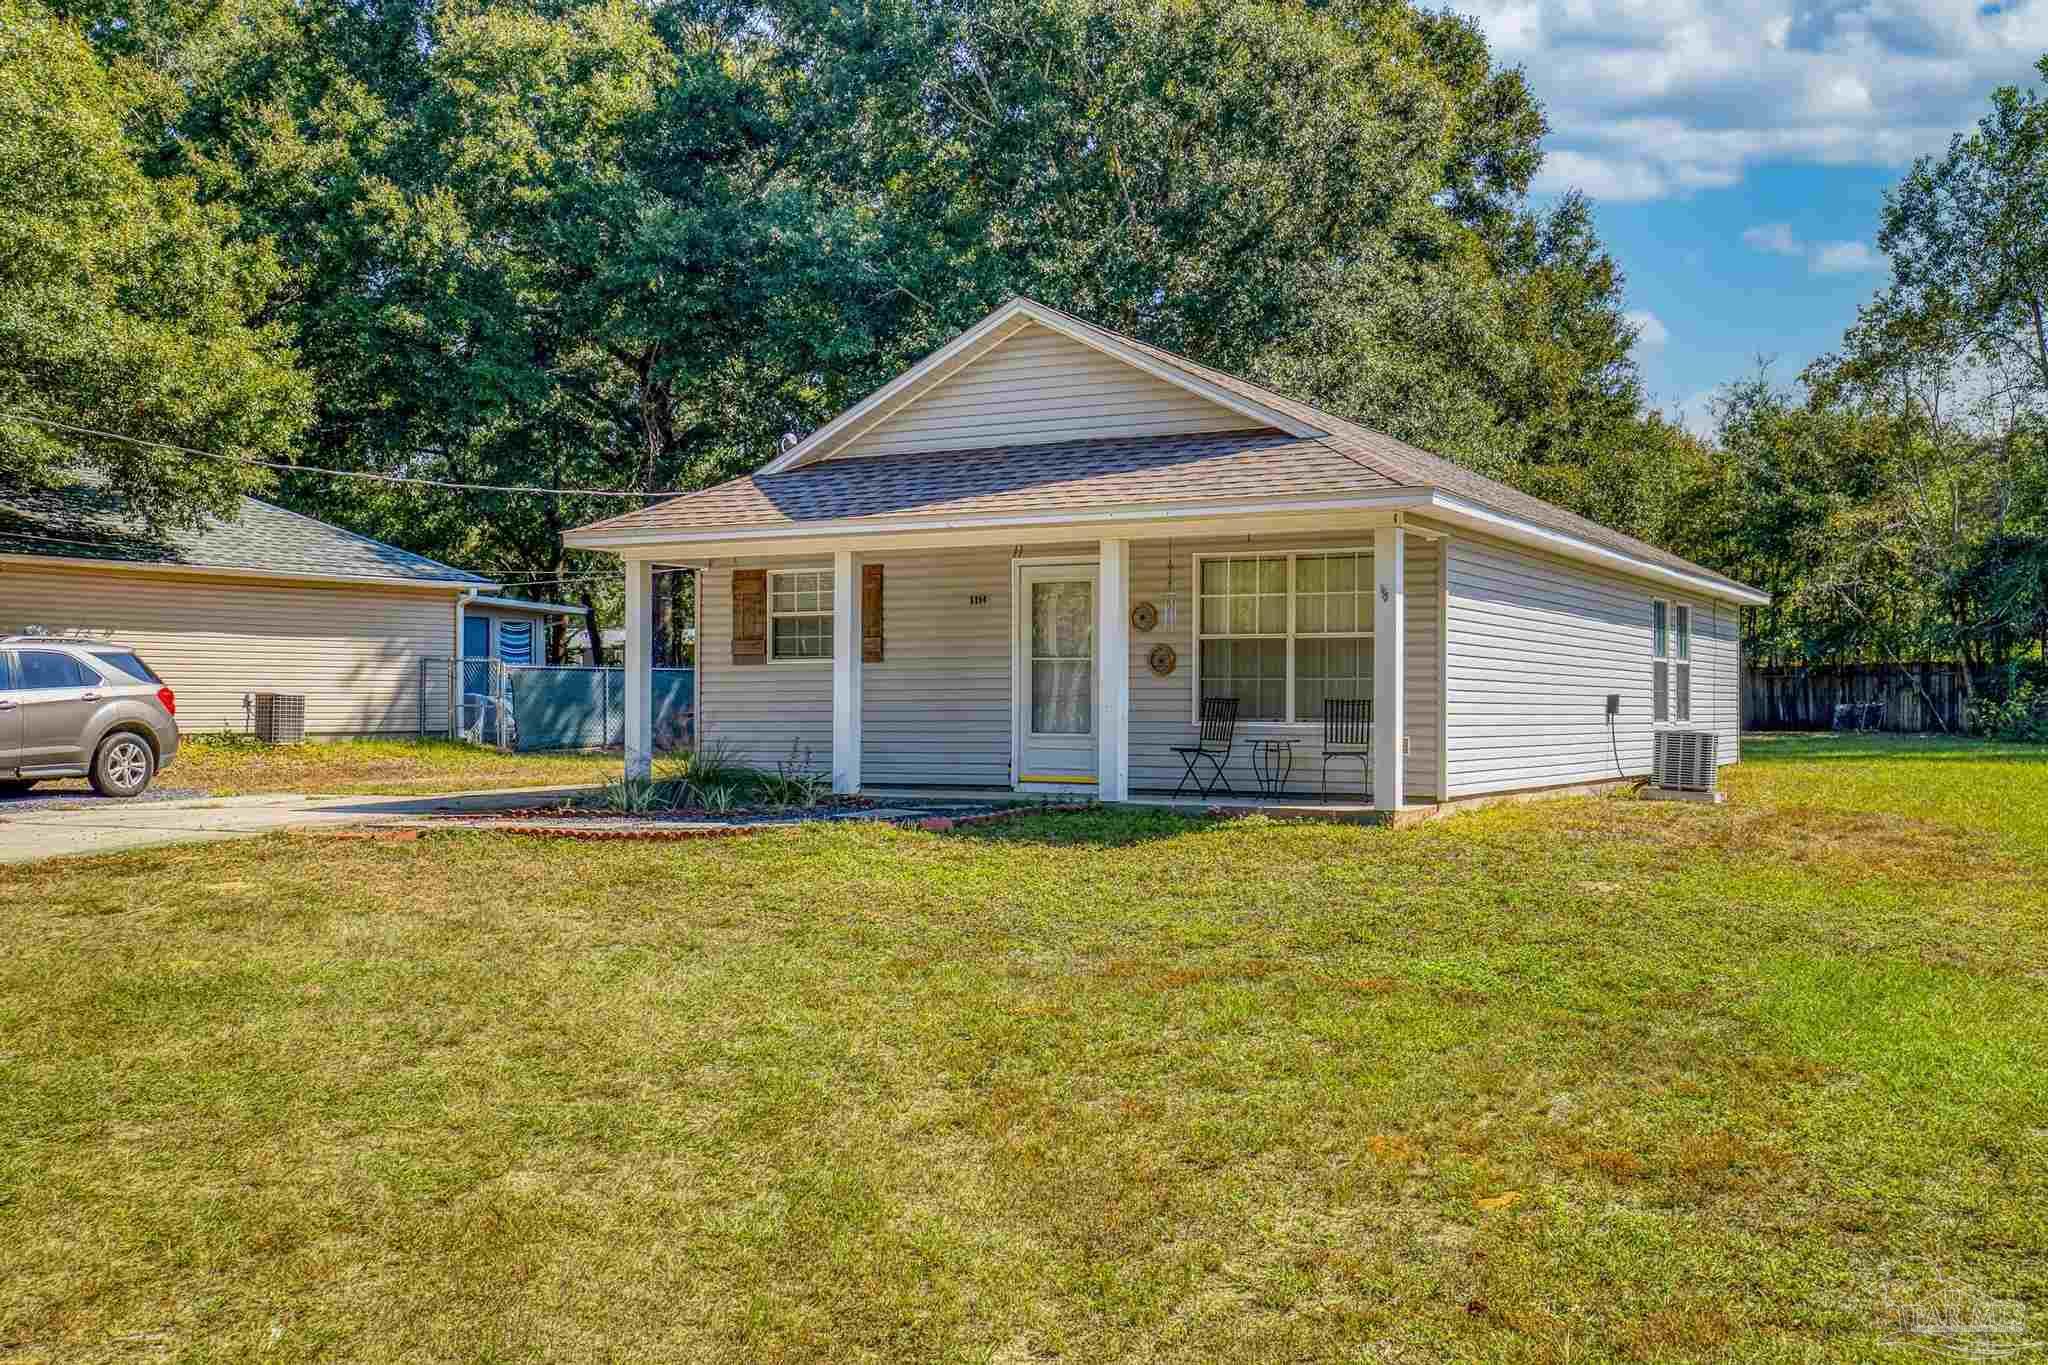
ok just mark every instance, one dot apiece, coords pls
pixel 280 718
pixel 1685 766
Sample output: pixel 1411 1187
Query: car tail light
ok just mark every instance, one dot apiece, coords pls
pixel 170 702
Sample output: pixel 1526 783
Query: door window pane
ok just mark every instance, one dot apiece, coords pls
pixel 1062 696
pixel 1063 620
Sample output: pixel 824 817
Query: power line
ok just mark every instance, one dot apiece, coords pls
pixel 340 473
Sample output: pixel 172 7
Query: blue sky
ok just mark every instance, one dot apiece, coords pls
pixel 1737 152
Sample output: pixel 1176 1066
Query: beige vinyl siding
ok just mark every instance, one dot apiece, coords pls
pixel 1162 709
pixel 1718 643
pixel 352 651
pixel 1535 644
pixel 1036 387
pixel 758 710
pixel 936 710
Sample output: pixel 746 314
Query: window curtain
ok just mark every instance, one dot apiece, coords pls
pixel 515 642
pixel 1062 658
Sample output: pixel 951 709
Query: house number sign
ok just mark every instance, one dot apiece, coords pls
pixel 977 599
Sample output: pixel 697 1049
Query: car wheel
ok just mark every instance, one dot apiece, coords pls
pixel 123 766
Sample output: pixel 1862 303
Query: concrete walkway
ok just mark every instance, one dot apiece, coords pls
pixel 28 834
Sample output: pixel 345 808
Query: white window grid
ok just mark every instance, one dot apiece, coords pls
pixel 802 597
pixel 1363 592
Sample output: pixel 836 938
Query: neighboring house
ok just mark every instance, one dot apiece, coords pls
pixel 939 586
pixel 270 602
pixel 513 630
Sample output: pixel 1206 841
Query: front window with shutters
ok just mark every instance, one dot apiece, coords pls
pixel 1283 633
pixel 800 614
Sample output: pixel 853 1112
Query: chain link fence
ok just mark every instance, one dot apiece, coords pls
pixel 522 709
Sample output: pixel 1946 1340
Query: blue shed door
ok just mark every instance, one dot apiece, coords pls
pixel 476 637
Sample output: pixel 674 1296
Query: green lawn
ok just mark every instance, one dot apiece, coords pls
pixel 1573 1081
pixel 375 767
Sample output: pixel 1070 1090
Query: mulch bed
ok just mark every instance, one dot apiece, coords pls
pixel 829 807
pixel 672 826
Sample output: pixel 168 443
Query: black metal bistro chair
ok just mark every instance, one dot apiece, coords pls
pixel 1347 733
pixel 1219 733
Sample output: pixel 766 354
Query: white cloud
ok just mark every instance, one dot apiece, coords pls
pixel 1655 98
pixel 1839 258
pixel 1651 333
pixel 1775 238
pixel 1822 258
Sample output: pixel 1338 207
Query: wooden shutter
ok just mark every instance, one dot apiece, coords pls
pixel 749 616
pixel 871 613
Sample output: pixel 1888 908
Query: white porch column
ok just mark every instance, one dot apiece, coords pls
pixel 1113 667
pixel 846 671
pixel 639 663
pixel 1389 665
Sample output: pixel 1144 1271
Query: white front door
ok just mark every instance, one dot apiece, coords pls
pixel 1056 692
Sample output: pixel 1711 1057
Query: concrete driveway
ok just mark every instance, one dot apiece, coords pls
pixel 29 831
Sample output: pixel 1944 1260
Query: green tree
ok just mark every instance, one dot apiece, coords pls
pixel 124 304
pixel 1967 234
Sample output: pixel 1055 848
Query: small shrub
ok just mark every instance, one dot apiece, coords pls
pixel 718 798
pixel 635 796
pixel 718 764
pixel 2020 714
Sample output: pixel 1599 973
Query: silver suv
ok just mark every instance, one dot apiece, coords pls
pixel 71 706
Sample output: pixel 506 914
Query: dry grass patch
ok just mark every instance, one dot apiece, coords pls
pixel 375 767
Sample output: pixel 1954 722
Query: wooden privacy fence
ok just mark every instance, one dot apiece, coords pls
pixel 1805 698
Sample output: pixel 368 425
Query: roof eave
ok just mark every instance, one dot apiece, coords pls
pixel 172 566
pixel 1450 508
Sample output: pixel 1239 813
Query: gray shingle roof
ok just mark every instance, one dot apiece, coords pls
pixel 89 521
pixel 1065 477
pixel 1345 458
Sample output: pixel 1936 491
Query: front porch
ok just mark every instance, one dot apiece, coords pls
pixel 926 665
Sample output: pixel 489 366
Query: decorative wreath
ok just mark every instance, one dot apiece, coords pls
pixel 1144 616
pixel 1163 660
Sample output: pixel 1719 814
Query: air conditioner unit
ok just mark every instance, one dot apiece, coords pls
pixel 1685 766
pixel 280 718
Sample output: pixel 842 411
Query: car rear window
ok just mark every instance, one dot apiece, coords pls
pixel 128 662
pixel 42 670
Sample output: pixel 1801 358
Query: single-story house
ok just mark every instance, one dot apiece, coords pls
pixel 1028 560
pixel 272 601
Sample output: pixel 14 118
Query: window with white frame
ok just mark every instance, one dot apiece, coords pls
pixel 800 614
pixel 1283 633
pixel 1681 648
pixel 1660 659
